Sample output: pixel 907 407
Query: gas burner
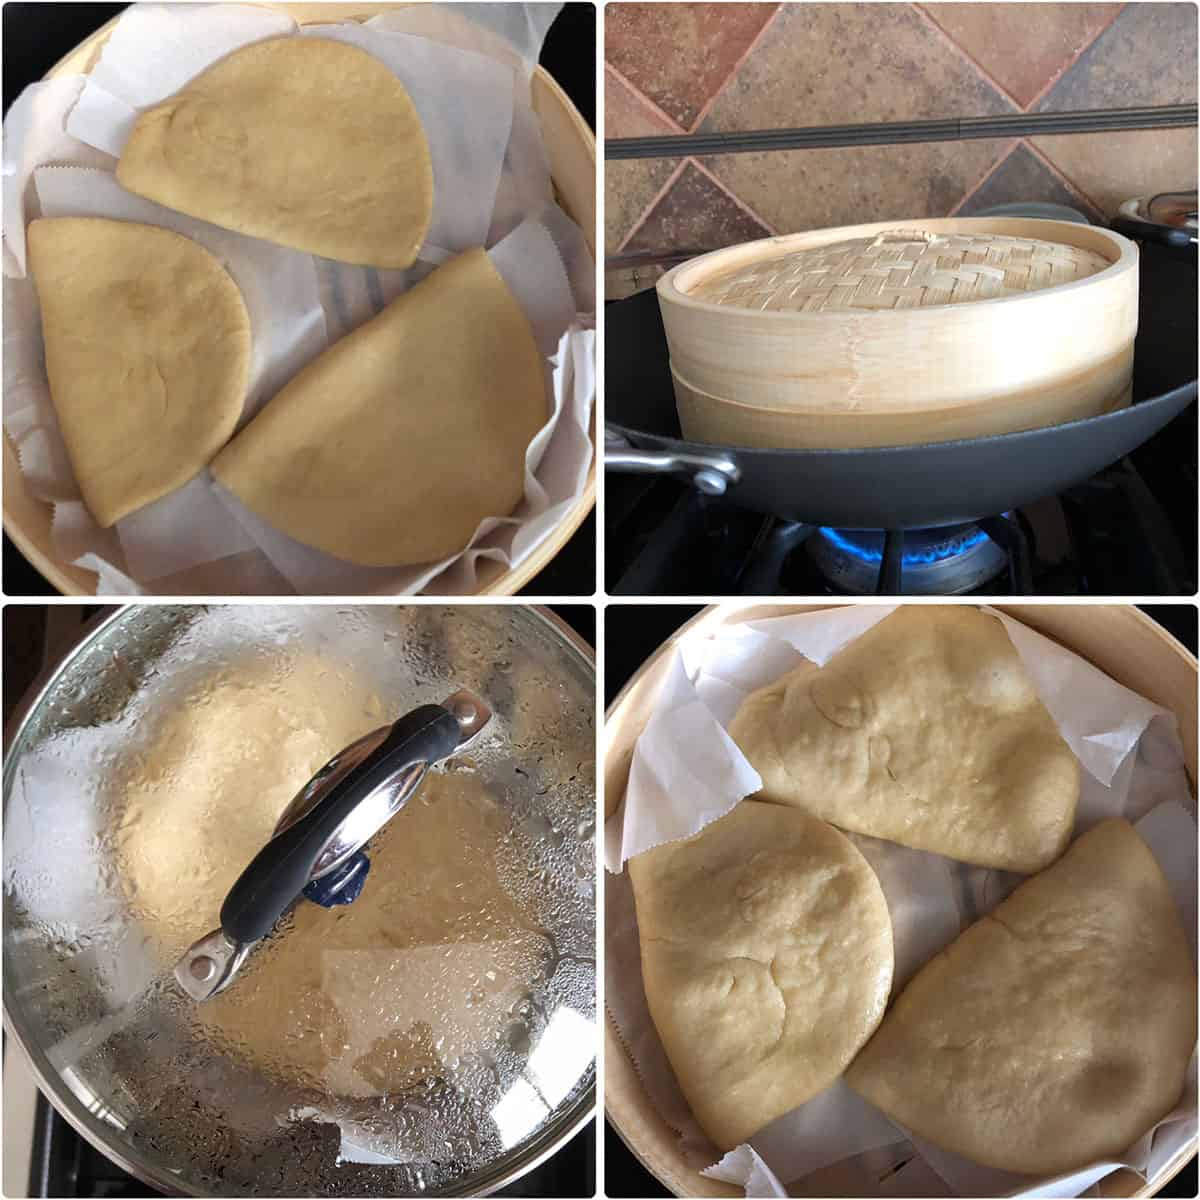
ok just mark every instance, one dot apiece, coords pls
pixel 1108 536
pixel 933 562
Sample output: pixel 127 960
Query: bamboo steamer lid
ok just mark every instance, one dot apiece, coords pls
pixel 1029 322
pixel 900 269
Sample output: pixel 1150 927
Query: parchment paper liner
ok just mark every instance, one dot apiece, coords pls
pixel 686 772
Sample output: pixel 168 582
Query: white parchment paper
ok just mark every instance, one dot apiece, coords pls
pixel 512 34
pixel 470 84
pixel 686 772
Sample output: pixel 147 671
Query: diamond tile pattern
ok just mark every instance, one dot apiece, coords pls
pixel 1025 176
pixel 1110 168
pixel 737 67
pixel 633 184
pixel 695 214
pixel 1146 56
pixel 814 189
pixel 834 64
pixel 1052 36
pixel 679 55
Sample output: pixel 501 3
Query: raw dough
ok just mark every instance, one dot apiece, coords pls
pixel 302 141
pixel 147 352
pixel 222 765
pixel 1053 1032
pixel 392 446
pixel 926 730
pixel 767 961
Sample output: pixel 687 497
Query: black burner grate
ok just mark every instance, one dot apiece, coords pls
pixel 1107 537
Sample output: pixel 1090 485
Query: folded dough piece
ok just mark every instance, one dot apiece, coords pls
pixel 302 141
pixel 1053 1032
pixel 147 352
pixel 926 730
pixel 767 960
pixel 392 446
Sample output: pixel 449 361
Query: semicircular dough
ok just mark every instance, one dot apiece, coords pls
pixel 393 445
pixel 1053 1032
pixel 147 351
pixel 212 774
pixel 767 961
pixel 302 141
pixel 928 731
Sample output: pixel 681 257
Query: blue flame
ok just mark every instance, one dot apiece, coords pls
pixel 870 549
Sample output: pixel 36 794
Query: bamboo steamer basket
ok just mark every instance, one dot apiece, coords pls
pixel 965 352
pixel 706 418
pixel 571 151
pixel 1120 640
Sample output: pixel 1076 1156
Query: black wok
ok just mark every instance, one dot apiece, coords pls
pixel 895 487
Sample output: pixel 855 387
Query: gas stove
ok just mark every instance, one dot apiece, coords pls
pixel 1109 536
pixel 1129 530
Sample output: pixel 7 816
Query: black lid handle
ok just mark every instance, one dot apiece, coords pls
pixel 282 868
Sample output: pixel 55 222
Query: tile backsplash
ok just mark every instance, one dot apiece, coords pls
pixel 683 68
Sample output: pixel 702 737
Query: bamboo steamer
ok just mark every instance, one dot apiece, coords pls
pixel 706 418
pixel 1120 640
pixel 571 151
pixel 901 332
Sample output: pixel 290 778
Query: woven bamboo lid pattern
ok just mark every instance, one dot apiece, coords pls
pixel 900 269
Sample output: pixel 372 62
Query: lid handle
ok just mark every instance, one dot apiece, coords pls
pixel 282 868
pixel 906 235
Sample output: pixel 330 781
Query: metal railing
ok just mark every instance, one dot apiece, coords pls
pixel 899 132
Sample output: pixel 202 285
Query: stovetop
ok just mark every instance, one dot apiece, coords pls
pixel 1130 530
pixel 60 1162
pixel 1110 536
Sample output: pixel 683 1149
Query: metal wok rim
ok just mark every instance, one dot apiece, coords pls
pixel 550 1139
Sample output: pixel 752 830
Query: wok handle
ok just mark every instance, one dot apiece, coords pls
pixel 282 868
pixel 1146 231
pixel 711 474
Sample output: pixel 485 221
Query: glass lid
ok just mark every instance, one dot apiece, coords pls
pixel 437 1033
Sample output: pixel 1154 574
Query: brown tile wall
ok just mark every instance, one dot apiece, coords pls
pixel 677 68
